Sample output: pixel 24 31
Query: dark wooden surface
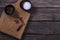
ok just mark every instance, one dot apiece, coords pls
pixel 41 25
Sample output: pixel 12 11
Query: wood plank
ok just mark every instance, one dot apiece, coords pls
pixel 40 3
pixel 6 37
pixel 31 37
pixel 7 1
pixel 41 37
pixel 45 3
pixel 45 13
pixel 43 28
pixel 1 9
pixel 3 3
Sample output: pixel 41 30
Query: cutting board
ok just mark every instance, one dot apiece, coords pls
pixel 15 24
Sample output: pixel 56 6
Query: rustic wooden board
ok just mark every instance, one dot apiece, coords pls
pixel 8 24
pixel 8 1
pixel 1 9
pixel 41 37
pixel 6 37
pixel 35 28
pixel 45 13
pixel 47 27
pixel 3 3
pixel 43 28
pixel 40 3
pixel 31 37
pixel 46 3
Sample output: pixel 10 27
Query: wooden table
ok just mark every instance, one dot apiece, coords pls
pixel 38 28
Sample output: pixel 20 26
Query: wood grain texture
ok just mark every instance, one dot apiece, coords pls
pixel 46 3
pixel 41 37
pixel 8 1
pixel 45 13
pixel 36 30
pixel 39 3
pixel 3 3
pixel 43 28
pixel 6 37
pixel 1 9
